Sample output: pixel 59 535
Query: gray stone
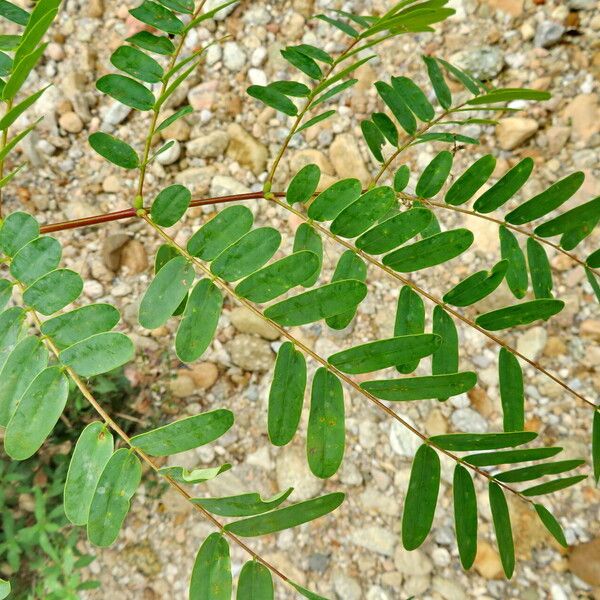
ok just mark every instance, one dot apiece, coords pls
pixel 403 441
pixel 292 471
pixel 208 146
pixel 414 563
pixel 547 34
pixel 245 321
pixel 376 539
pixel 234 58
pixel 116 114
pixel 170 155
pixel 482 62
pixel 250 353
pixel 469 421
pixel 346 587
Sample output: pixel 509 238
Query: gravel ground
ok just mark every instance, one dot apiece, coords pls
pixel 225 147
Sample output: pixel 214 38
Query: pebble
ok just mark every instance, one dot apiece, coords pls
pixel 346 158
pixel 250 353
pixel 482 62
pixel 532 342
pixel 71 122
pixel 583 112
pixel 487 562
pixel 403 441
pixel 204 374
pixel 234 57
pixel 547 34
pixel 170 155
pixel 212 145
pixel 375 539
pixel 584 561
pixel 468 421
pixel 346 587
pixel 245 321
pixel 203 96
pixel 292 471
pixel 246 150
pixel 514 131
pixel 222 14
pixel 115 114
pixel 413 563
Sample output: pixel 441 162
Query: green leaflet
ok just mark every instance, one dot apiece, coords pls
pixel 434 250
pixel 165 293
pixel 325 437
pixel 184 434
pixel 387 127
pixel 516 274
pixel 364 212
pixel 349 266
pixel 199 322
pixel 13 13
pixel 449 138
pixel 465 516
pixel 556 195
pixel 255 582
pixel 520 314
pixel 170 205
pixel 470 84
pixel 291 88
pixel 593 283
pixel 36 414
pixel 136 63
pixel 5 292
pixel 477 286
pixel 414 97
pixel 277 278
pixel 319 303
pixel 157 16
pixel 334 91
pixel 307 238
pixel 18 229
pixel 410 319
pixel 421 497
pixel 553 486
pixel 5 588
pixel 92 451
pixel 306 593
pixel 315 53
pixel 315 120
pixel 285 518
pixel 302 62
pixel 401 178
pixel 110 504
pixel 512 394
pixel 393 232
pixel 303 184
pixel 21 72
pixel 434 175
pixel 539 267
pixel 53 291
pixel 536 471
pixel 470 442
pixel 182 112
pixel 445 358
pixel 332 201
pixel 596 445
pixel 98 354
pixel 374 139
pixel 12 115
pixel 572 219
pixel 243 505
pixel 220 232
pixel 114 150
pixel 341 25
pixel 211 575
pixel 37 258
pixel 421 388
pixel 12 323
pixel 247 254
pixel 399 108
pixel 126 91
pixel 26 360
pixel 551 524
pixel 287 394
pixel 159 44
pixel 501 518
pixel 182 6
pixel 272 97
pixel 505 188
pixel 382 354
pixel 465 187
pixel 508 95
pixel 185 476
pixel 593 260
pixel 441 89
pixel 81 323
pixel 490 459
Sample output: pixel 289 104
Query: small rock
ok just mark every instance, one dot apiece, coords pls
pixel 582 4
pixel 170 155
pixel 513 131
pixel 584 114
pixel 590 328
pixel 318 562
pixel 557 138
pixel 413 563
pixel 134 257
pixel 547 34
pixel 346 587
pixel 403 441
pixel 71 122
pixel 292 471
pixel 95 8
pixel 208 146
pixel 111 250
pixel 204 374
pixel 584 561
pixel 487 562
pixel 436 423
pixel 532 342
pixel 482 62
pixel 257 76
pixel 111 184
pixel 223 185
pixel 514 8
pixel 116 114
pixel 221 14
pixel 245 321
pixel 246 150
pixel 182 386
pixel 234 57
pixel 310 156
pixel 375 539
pixel 203 96
pixel 196 179
pixel 347 159
pixel 250 353
pixel 469 421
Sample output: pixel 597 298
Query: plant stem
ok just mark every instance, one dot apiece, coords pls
pixel 3 142
pixel 322 361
